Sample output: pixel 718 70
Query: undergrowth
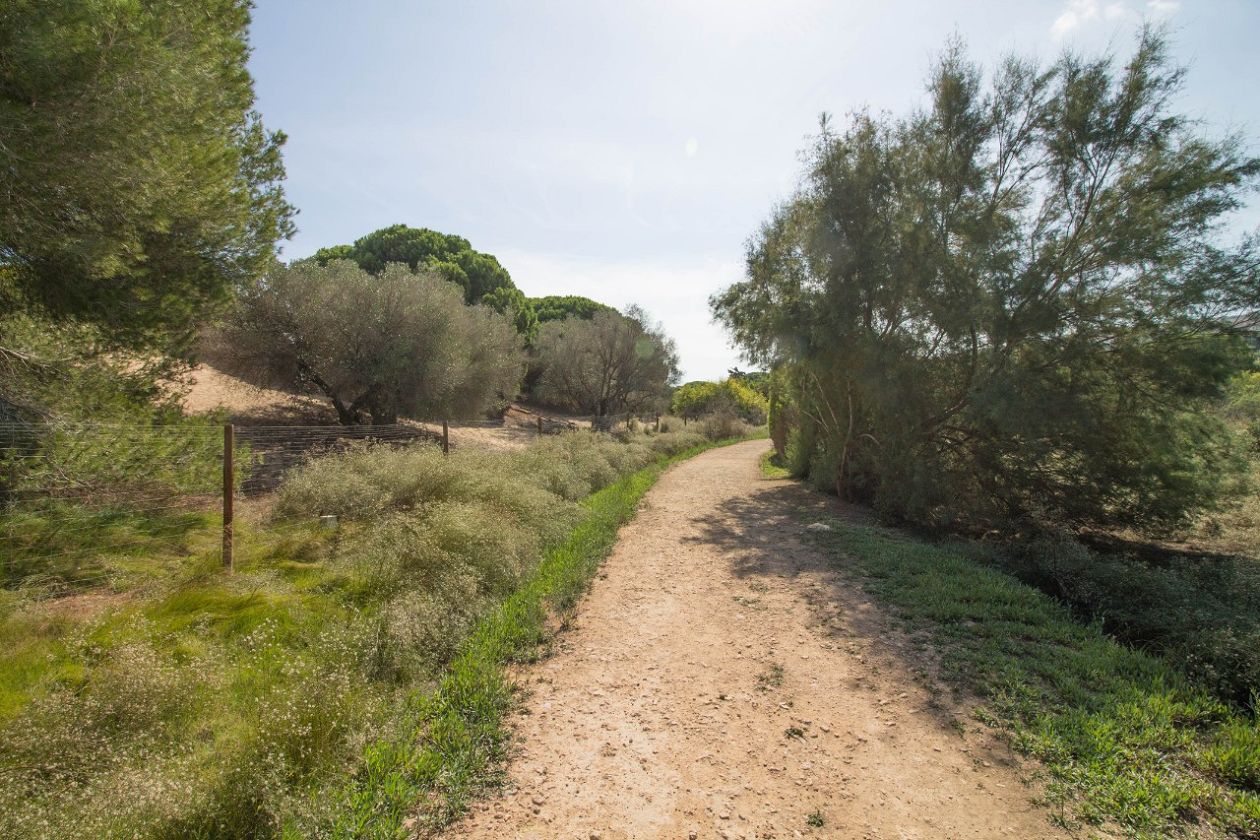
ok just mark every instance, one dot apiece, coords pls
pixel 172 700
pixel 1127 739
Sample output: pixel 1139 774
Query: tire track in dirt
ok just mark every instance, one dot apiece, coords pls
pixel 723 681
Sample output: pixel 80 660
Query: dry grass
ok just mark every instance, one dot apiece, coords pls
pixel 197 704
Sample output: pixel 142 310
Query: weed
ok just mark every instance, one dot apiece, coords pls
pixel 816 819
pixel 794 732
pixel 772 677
pixel 774 465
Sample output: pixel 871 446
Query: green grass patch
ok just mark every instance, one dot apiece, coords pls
pixel 1126 739
pixel 774 465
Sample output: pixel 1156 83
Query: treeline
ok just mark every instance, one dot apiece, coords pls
pixel 412 322
pixel 1015 307
pixel 143 206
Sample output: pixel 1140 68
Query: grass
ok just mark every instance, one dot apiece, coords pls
pixel 1126 739
pixel 455 743
pixel 334 675
pixel 774 466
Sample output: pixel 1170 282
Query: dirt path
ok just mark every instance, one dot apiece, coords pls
pixel 722 682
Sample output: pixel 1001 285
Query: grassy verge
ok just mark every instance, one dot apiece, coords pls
pixel 456 741
pixel 773 466
pixel 167 699
pixel 1127 740
pixel 171 700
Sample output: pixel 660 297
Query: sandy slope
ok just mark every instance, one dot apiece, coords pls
pixel 209 389
pixel 665 712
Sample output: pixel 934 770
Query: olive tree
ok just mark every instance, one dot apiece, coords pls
pixel 378 347
pixel 606 365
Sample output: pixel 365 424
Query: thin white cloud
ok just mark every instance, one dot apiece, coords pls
pixel 1080 13
pixel 1077 13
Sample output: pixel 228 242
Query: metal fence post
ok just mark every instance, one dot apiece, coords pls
pixel 446 438
pixel 229 490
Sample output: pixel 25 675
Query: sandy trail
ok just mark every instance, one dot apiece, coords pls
pixel 721 681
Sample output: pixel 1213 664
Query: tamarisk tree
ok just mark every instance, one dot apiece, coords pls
pixel 1014 304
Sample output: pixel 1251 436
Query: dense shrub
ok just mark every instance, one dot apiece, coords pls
pixel 671 443
pixel 974 347
pixel 728 396
pixel 1202 613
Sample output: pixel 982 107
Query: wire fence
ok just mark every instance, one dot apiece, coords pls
pixel 84 505
pixel 88 504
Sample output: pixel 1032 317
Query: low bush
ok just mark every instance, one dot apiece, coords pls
pixel 1200 613
pixel 1127 740
pixel 671 443
pixel 201 705
pixel 670 424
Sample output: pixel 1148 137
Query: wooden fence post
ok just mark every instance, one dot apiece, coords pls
pixel 446 438
pixel 229 491
pixel 540 424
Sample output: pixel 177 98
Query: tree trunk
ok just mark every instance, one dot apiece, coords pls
pixel 345 416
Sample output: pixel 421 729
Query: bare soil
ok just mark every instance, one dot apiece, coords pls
pixel 723 679
pixel 208 389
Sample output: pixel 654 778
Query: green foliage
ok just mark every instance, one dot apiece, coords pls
pixel 729 396
pixel 559 307
pixel 1012 306
pixel 1233 756
pixel 606 365
pixel 194 704
pixel 757 380
pixel 781 415
pixel 427 251
pixel 693 399
pixel 518 308
pixel 1200 613
pixel 66 372
pixel 140 186
pixel 394 344
pixel 1126 739
pixel 772 466
pixel 1242 401
pixel 93 447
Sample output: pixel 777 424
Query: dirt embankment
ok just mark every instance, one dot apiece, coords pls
pixel 209 389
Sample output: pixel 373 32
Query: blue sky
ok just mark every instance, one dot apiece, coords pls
pixel 626 150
